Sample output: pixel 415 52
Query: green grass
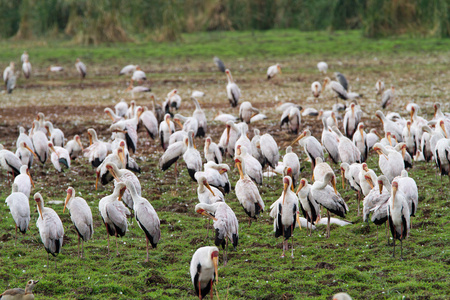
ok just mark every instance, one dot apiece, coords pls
pixel 351 260
pixel 258 44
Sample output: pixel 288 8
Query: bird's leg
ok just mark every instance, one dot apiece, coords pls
pixel 107 235
pixel 328 223
pixel 199 291
pixel 377 233
pixel 82 248
pixel 249 221
pixel 15 238
pixel 176 174
pixel 47 259
pixel 225 254
pixel 393 253
pixel 79 245
pixel 401 250
pixel 292 246
pixel 117 246
pixel 147 248
pixel 56 267
pixel 359 199
pixel 211 290
pixel 284 248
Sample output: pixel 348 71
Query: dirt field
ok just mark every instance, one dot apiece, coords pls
pixel 75 107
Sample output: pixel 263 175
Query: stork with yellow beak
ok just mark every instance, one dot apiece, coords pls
pixel 204 269
pixel 398 216
pixel 247 192
pixel 284 212
pixel 273 70
pixel 311 146
pixel 114 213
pixel 50 227
pixel 329 198
pixel 81 216
pixel 166 128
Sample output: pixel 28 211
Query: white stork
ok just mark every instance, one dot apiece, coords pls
pixel 19 208
pixel 233 91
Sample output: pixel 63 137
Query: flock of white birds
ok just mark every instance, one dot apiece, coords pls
pixel 390 197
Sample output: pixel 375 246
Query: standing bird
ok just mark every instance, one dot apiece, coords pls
pixel 172 154
pixel 394 128
pixel 247 192
pixel 146 217
pixel 166 128
pixel 329 198
pixel 19 208
pixel 201 118
pixel 8 73
pixel 284 211
pixel 56 135
pixel 442 156
pixel 351 119
pixel 127 70
pixel 330 142
pixel 360 140
pixel 81 68
pixel 60 156
pixel 316 88
pixel 388 97
pixel 20 294
pixel 40 142
pixel 97 151
pixel 390 161
pixel 26 68
pixel 204 270
pixel 123 175
pixel 81 216
pixel 293 118
pixel 24 181
pixel 309 206
pixel 247 111
pixel 212 151
pixel 311 146
pixel 252 166
pixel 233 91
pixel 342 80
pixel 24 56
pixel 269 149
pixel 348 152
pixel 148 119
pixel 173 100
pixel 273 70
pixel 192 157
pixel 74 147
pixel 114 213
pixel 336 87
pixel 291 160
pixel 50 227
pixel 138 75
pixel 225 223
pixel 398 216
pixel 379 86
pixel 219 63
pixel 9 162
pixel 323 67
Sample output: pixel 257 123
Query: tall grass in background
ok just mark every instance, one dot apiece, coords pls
pixel 103 21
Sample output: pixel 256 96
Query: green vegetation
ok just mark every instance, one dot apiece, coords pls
pixel 258 44
pixel 95 22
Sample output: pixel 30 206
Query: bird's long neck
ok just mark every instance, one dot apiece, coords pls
pixel 197 105
pixel 133 191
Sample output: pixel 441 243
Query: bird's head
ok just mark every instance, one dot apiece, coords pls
pixel 369 180
pixel 442 125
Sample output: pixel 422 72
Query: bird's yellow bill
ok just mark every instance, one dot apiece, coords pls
pixel 66 201
pixel 298 138
pixel 29 149
pixel 300 186
pixel 369 180
pixel 216 269
pixel 343 178
pixel 298 221
pixel 334 185
pixel 285 188
pixel 31 179
pixel 79 143
pixel 209 188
